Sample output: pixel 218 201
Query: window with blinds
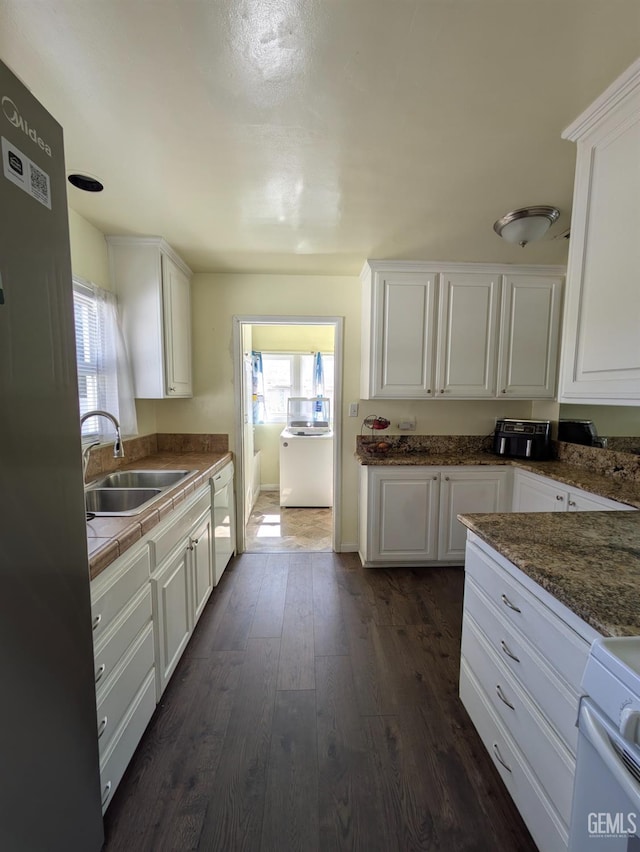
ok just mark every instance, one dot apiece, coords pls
pixel 97 370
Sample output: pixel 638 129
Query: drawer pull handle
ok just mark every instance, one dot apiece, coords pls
pixel 503 698
pixel 100 672
pixel 508 651
pixel 106 793
pixel 96 621
pixel 102 727
pixel 507 602
pixel 496 751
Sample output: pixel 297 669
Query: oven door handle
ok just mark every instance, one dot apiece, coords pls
pixel 599 737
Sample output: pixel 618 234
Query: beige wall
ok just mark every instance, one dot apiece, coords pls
pixel 293 338
pixel 609 420
pixel 89 260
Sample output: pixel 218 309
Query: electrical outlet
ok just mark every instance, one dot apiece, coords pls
pixel 407 424
pixel 353 409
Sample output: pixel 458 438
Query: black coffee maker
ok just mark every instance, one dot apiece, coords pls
pixel 522 439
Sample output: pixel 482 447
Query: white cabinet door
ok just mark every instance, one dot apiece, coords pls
pixel 529 336
pixel 601 350
pixel 172 605
pixel 464 491
pixel 534 494
pixel 201 553
pixel 398 335
pixel 403 517
pixel 176 295
pixel 582 501
pixel 223 520
pixel 468 335
pixel 153 287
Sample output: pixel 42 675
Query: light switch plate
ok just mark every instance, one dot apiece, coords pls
pixel 353 409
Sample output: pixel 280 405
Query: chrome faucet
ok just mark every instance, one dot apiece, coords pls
pixel 118 449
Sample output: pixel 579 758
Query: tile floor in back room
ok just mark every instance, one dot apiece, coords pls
pixel 273 529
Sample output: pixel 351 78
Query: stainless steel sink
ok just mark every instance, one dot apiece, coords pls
pixel 119 501
pixel 142 479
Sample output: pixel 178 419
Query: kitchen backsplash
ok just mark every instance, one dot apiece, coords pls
pixel 102 460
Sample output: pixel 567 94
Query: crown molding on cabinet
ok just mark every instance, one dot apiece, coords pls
pixel 458 268
pixel 155 242
pixel 620 89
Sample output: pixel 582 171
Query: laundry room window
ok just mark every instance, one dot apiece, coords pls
pixel 292 374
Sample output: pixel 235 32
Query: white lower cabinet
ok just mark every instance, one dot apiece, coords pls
pixel 144 608
pixel 181 581
pixel 520 672
pixel 124 661
pixel 223 520
pixel 408 515
pixel 171 592
pixel 532 493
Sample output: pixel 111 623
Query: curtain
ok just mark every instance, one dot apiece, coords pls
pixel 257 388
pixel 104 373
pixel 318 374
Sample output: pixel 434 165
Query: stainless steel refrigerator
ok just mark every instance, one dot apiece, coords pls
pixel 49 776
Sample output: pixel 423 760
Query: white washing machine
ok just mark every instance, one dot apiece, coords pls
pixel 306 466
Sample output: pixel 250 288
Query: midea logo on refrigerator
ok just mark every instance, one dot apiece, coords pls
pixel 12 114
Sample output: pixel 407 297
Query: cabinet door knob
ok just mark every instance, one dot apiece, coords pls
pixel 173 390
pixel 195 542
pixel 503 697
pixel 504 390
pixel 102 727
pixel 559 497
pixel 429 390
pixel 508 651
pixel 496 751
pixel 572 503
pixel 446 478
pixel 96 621
pixel 442 390
pixel 100 672
pixel 106 793
pixel 507 602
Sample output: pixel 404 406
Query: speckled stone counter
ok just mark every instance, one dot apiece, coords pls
pixel 590 561
pixel 109 537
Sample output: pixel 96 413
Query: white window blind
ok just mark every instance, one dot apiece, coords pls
pixel 103 370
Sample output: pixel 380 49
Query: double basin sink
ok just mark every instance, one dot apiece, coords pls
pixel 129 492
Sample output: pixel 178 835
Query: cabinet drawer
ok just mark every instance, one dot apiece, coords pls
pixel 114 642
pixel 540 816
pixel 551 763
pixel 114 699
pixel 114 589
pixel 117 756
pixel 164 542
pixel 561 646
pixel 557 702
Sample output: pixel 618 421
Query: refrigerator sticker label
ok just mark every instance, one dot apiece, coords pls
pixel 22 171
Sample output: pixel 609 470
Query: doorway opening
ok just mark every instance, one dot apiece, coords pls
pixel 288 496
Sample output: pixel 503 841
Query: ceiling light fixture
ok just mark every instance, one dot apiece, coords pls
pixel 526 224
pixel 88 183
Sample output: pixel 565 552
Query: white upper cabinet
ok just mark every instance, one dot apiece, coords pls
pixel 529 336
pixel 459 331
pixel 154 294
pixel 601 343
pixel 468 335
pixel 398 330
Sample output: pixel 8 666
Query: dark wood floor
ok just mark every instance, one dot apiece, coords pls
pixel 316 708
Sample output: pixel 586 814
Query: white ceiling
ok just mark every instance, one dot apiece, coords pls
pixel 308 135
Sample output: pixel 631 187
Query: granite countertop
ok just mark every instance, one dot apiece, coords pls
pixel 623 490
pixel 590 561
pixel 109 537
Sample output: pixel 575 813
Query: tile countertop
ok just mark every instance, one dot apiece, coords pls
pixel 590 561
pixel 109 537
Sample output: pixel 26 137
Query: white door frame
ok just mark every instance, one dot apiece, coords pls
pixel 238 377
